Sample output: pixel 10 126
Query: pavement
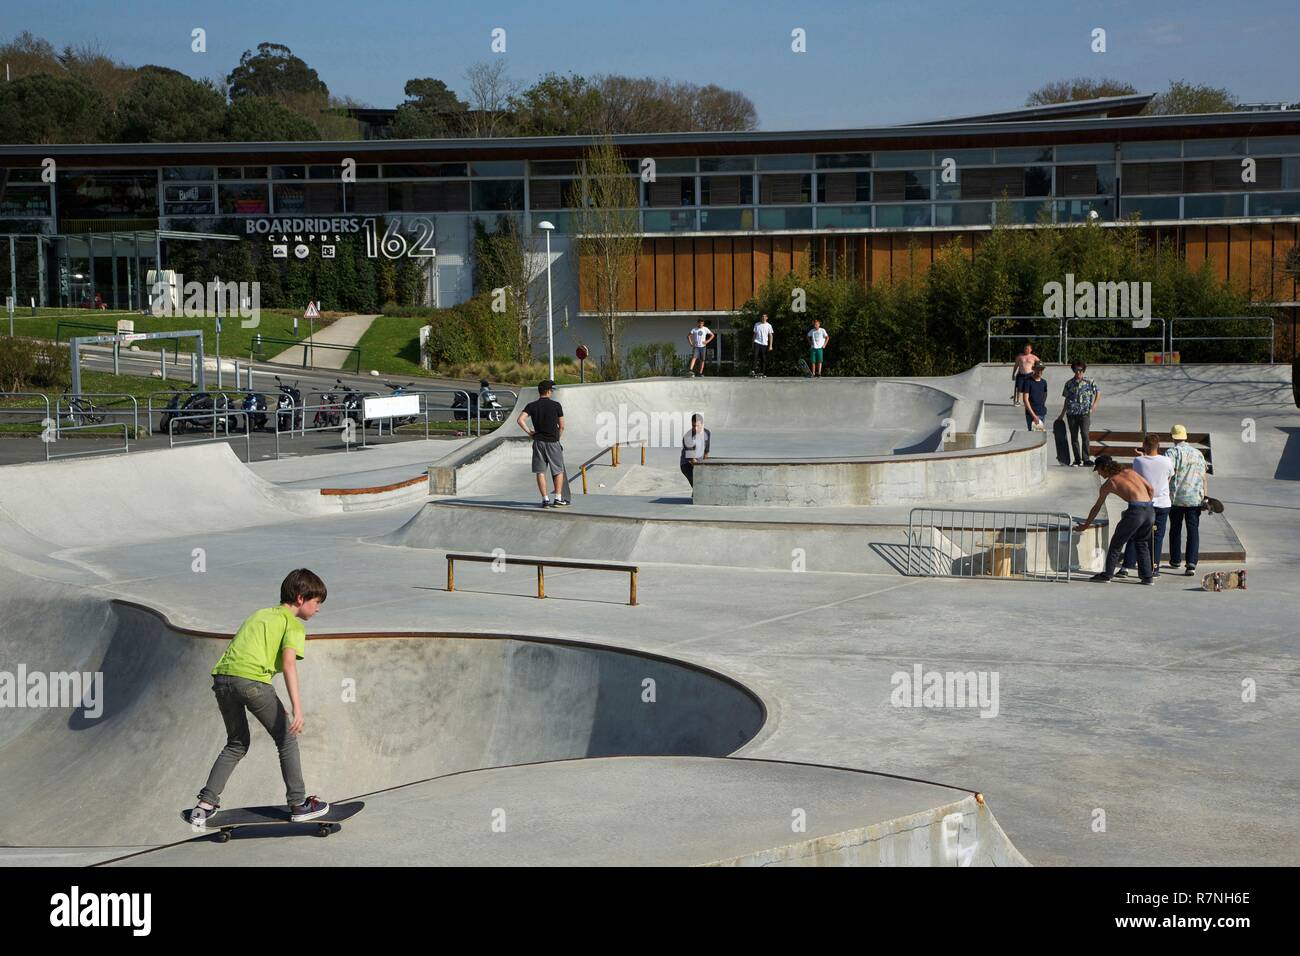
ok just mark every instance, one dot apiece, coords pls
pixel 748 694
pixel 346 332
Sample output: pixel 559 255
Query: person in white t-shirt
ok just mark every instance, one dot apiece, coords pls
pixel 764 340
pixel 1157 470
pixel 699 338
pixel 817 339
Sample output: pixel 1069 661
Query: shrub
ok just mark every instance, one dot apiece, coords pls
pixel 28 364
pixel 658 358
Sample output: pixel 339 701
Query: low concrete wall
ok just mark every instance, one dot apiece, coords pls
pixel 1009 470
pixel 454 474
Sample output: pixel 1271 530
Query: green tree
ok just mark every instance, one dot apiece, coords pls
pixel 50 109
pixel 557 106
pixel 273 71
pixel 431 111
pixel 1183 98
pixel 608 236
pixel 257 119
pixel 1078 88
pixel 27 55
pixel 166 106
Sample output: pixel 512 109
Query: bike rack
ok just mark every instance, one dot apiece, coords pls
pixel 214 415
pixel 66 399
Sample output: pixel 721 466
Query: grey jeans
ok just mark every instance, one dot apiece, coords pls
pixel 237 697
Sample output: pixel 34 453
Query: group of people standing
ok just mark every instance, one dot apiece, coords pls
pixel 764 341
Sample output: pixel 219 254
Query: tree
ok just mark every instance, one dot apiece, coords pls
pixel 505 259
pixel 558 106
pixel 26 55
pixel 50 109
pixel 1183 97
pixel 258 119
pixel 166 106
pixel 490 90
pixel 88 63
pixel 608 228
pixel 273 71
pixel 1078 88
pixel 646 105
pixel 431 111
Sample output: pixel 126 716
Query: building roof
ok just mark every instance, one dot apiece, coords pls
pixel 1103 106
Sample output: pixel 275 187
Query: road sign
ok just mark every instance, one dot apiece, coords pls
pixel 581 352
pixel 312 312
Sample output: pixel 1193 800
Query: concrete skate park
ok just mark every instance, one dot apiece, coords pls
pixel 741 711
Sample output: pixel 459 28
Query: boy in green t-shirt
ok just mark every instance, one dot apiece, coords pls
pixel 270 642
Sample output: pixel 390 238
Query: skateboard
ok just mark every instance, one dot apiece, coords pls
pixel 1224 580
pixel 804 368
pixel 1062 442
pixel 222 822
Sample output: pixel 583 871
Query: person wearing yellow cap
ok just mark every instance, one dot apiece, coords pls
pixel 1187 490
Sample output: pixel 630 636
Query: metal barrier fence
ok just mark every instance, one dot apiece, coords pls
pixel 308 347
pixel 1059 336
pixel 962 543
pixel 85 413
pixel 1224 338
pixel 1160 339
pixel 18 409
pixel 126 442
pixel 224 415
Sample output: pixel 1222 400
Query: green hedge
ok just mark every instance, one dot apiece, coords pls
pixel 28 365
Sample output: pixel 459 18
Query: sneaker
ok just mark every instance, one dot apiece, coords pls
pixel 560 503
pixel 309 809
pixel 1100 578
pixel 199 815
pixel 1191 570
pixel 1147 581
pixel 1087 463
pixel 546 502
pixel 1122 573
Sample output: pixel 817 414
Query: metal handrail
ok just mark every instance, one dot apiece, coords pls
pixel 224 414
pixel 989 336
pixel 41 395
pixel 126 441
pixel 1115 338
pixel 112 412
pixel 978 556
pixel 1272 331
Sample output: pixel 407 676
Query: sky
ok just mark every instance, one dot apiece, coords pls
pixel 866 63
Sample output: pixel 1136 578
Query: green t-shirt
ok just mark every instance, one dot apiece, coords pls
pixel 255 650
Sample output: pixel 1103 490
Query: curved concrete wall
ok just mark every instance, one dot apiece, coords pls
pixel 1009 470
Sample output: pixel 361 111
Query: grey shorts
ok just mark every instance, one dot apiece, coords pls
pixel 548 457
pixel 698 353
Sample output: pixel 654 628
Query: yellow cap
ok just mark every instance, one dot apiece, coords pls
pixel 1178 433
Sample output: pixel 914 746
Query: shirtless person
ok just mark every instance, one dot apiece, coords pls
pixel 1022 370
pixel 1127 485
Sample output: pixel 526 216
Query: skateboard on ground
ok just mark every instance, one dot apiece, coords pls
pixel 804 368
pixel 1224 580
pixel 222 822
pixel 1062 442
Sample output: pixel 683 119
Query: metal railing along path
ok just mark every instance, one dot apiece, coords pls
pixel 1272 329
pixel 126 441
pixel 1159 339
pixel 224 415
pixel 1023 337
pixel 78 407
pixel 967 543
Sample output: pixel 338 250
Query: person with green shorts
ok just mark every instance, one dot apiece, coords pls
pixel 817 339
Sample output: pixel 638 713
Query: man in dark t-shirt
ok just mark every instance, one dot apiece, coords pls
pixel 1035 391
pixel 547 417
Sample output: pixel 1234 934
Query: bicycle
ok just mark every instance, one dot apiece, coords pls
pixel 82 411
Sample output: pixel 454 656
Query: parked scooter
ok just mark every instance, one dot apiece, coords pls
pixel 288 414
pixel 400 420
pixel 254 403
pixel 330 412
pixel 351 402
pixel 192 411
pixel 488 405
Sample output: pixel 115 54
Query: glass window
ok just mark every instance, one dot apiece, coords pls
pixel 843 187
pixel 944 190
pixel 553 193
pixel 726 164
pixel 965 157
pixel 917 184
pixel 1038 180
pixel 1091 180
pixel 22 176
pixel 230 172
pixel 1025 154
pixel 368 171
pixel 673 165
pixel 1213 207
pixel 1170 149
pixel 562 221
pixel 844 160
pixel 245 199
pixel 187 172
pixel 669 191
pixel 1274 145
pixel 786 188
pixel 188 193
pixel 1077 210
pixel 900 160
pixel 288 172
pixel 1214 147
pixel 24 201
pixel 498 194
pixel 425 170
pixel 963 214
pixel 726 190
pixel 1275 204
pixel 496 168
pixel 553 167
pixel 1021 212
pixel 785 162
pixel 1093 152
pixel 325 172
pixel 726 219
pixel 255 172
pixel 799 217
pixel 669 220
pixel 1291 174
pixel 902 216
pixel 844 217
pixel 290 199
pixel 105 194
pixel 1149 208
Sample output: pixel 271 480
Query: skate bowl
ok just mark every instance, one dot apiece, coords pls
pixel 113 768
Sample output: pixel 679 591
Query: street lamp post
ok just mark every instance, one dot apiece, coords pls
pixel 547 226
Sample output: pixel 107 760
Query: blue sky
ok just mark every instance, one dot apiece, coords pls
pixel 867 62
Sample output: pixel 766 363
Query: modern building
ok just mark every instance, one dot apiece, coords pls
pixel 723 212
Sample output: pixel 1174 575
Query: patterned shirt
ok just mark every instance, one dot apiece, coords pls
pixel 1079 396
pixel 1187 488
